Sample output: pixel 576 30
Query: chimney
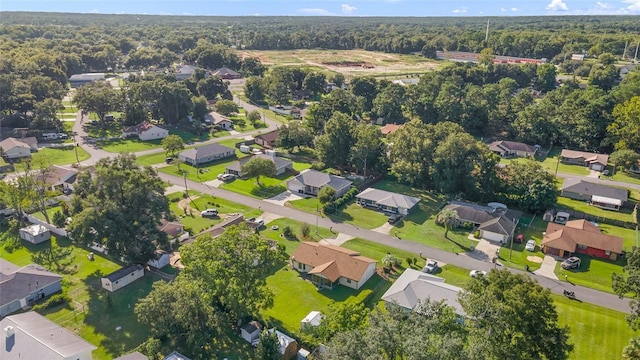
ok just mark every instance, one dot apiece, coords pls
pixel 9 332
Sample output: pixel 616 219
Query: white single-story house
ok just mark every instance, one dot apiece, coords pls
pixel 495 224
pixel 145 131
pixel 160 259
pixel 32 336
pixel 122 277
pixel 329 265
pixel 18 148
pixel 21 286
pixel 219 119
pixel 387 201
pixel 414 286
pixel 602 196
pixel 310 181
pixel 77 80
pixel 250 332
pixel 282 164
pixel 206 153
pixel 35 234
pixel 313 319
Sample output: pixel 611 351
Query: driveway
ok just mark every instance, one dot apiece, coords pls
pixel 282 198
pixel 547 268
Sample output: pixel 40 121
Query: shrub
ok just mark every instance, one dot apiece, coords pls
pixel 318 166
pixel 476 234
pixel 338 203
pixel 287 232
pixel 409 261
pixel 53 301
pixel 305 229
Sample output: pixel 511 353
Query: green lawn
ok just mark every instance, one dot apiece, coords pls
pixel 128 145
pixel 624 214
pixel 204 172
pixel 518 258
pixel 59 156
pixel 593 273
pixel 352 214
pixel 88 315
pixel 50 211
pixel 595 331
pixel 268 187
pixel 628 235
pixel 551 163
pixel 294 298
pixel 196 223
pixel 296 227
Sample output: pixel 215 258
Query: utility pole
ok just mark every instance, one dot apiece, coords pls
pixel 512 235
pixel 317 213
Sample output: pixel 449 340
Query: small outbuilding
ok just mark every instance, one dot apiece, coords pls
pixel 122 277
pixel 160 259
pixel 251 332
pixel 313 319
pixel 35 234
pixel 288 346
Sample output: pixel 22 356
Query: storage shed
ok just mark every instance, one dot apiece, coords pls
pixel 35 234
pixel 122 277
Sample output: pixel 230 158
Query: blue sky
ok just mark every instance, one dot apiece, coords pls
pixel 332 7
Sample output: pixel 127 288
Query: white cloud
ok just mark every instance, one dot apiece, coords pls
pixel 514 9
pixel 95 11
pixel 557 5
pixel 461 10
pixel 348 9
pixel 634 5
pixel 603 5
pixel 503 9
pixel 314 12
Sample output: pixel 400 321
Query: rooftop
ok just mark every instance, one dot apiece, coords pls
pixel 36 337
pixel 332 261
pixel 17 283
pixel 580 232
pixel 589 188
pixel 388 198
pixel 120 273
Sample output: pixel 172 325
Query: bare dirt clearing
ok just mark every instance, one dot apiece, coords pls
pixel 348 62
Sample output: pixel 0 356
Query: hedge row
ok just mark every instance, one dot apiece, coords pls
pixel 338 203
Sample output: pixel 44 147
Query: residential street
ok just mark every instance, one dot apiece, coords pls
pixel 464 261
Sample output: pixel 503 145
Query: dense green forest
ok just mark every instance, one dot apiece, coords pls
pixel 537 37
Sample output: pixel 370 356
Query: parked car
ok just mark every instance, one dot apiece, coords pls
pixel 394 218
pixel 260 222
pixel 226 177
pixel 477 273
pixel 571 263
pixel 209 212
pixel 531 245
pixel 168 160
pixel 431 267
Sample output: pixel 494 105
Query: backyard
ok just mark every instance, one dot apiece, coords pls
pixel 94 314
pixel 625 214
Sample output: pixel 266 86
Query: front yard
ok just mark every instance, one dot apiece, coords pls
pixel 59 156
pixel 593 272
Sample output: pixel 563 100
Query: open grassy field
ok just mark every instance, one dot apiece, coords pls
pixel 336 61
pixel 94 313
pixel 58 156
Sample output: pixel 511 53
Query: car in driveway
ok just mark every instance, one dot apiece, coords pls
pixel 571 263
pixel 430 267
pixel 477 273
pixel 259 222
pixel 226 177
pixel 209 213
pixel 531 245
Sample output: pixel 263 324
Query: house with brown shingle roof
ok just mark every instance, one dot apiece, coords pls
pixel 330 265
pixel 593 161
pixel 580 236
pixel 268 140
pixel 145 131
pixel 512 148
pixel 389 129
pixel 17 148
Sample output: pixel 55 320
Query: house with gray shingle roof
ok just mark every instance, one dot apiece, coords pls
pixel 512 148
pixel 21 286
pixel 17 148
pixel 310 181
pixel 387 201
pixel 495 223
pixel 226 73
pixel 603 196
pixel 413 287
pixel 206 153
pixel 282 164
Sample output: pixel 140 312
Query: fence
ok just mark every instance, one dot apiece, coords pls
pixel 598 219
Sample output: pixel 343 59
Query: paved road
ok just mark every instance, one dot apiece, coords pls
pixel 603 181
pixel 464 261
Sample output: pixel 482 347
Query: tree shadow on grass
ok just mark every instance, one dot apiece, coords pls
pixel 340 216
pixel 267 191
pixel 112 314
